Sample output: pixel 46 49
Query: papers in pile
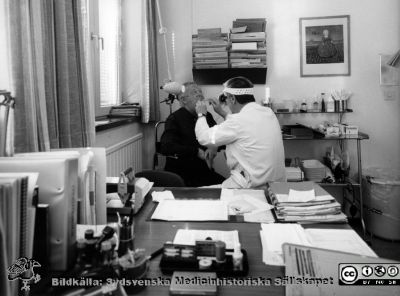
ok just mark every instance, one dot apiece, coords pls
pixel 305 202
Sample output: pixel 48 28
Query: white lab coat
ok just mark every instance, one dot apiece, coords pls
pixel 254 146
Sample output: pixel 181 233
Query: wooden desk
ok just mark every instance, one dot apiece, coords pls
pixel 151 235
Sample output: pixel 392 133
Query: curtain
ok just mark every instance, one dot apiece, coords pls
pixel 49 75
pixel 153 84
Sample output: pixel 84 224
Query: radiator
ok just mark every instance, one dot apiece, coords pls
pixel 123 155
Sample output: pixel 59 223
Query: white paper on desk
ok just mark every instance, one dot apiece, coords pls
pixel 259 216
pixel 275 235
pixel 345 240
pixel 269 257
pixel 161 195
pixel 191 210
pixel 241 201
pixel 189 236
pixel 301 196
pixel 237 194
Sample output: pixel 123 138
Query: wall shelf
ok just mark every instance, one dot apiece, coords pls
pixel 220 75
pixel 314 112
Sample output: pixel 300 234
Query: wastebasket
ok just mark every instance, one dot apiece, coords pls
pixel 381 193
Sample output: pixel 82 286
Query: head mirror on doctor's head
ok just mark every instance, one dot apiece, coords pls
pixel 222 98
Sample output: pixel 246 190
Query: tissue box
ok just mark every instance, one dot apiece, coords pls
pixel 351 130
pixel 332 131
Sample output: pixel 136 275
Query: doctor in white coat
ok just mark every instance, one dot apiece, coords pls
pixel 252 135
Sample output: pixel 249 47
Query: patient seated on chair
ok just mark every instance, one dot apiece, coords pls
pixel 194 161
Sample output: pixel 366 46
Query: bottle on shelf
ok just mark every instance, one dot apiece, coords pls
pixel 330 104
pixel 323 102
pixel 315 106
pixel 303 107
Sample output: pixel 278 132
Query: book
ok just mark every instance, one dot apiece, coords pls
pixel 209 49
pixel 250 61
pixel 210 66
pixel 244 46
pixel 205 61
pixel 211 55
pixel 252 24
pixel 247 55
pixel 212 33
pixel 248 37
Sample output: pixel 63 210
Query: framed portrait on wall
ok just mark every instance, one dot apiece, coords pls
pixel 325 46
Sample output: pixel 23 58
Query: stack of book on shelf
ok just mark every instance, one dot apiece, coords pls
pixel 304 202
pixel 210 49
pixel 125 110
pixel 248 49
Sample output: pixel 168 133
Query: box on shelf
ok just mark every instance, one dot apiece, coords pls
pixel 314 170
pixel 351 130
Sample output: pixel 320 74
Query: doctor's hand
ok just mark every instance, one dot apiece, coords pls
pixel 201 107
pixel 210 154
pixel 201 154
pixel 218 107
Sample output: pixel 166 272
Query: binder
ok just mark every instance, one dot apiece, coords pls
pixel 42 235
pixel 58 179
pixel 29 181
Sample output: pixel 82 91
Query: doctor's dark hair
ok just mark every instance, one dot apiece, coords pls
pixel 241 82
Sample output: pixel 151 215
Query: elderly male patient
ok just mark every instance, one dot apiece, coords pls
pixel 193 161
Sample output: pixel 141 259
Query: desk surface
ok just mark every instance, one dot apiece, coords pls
pixel 151 235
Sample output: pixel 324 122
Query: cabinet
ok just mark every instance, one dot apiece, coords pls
pixel 314 135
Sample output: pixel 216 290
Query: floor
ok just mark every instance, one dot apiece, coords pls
pixel 383 248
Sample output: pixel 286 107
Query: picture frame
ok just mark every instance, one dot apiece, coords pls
pixel 325 46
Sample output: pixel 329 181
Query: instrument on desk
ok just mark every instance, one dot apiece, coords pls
pixel 205 255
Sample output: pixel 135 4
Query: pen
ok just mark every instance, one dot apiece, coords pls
pixel 156 253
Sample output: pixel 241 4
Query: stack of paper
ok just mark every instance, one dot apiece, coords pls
pixel 273 236
pixel 126 110
pixel 305 202
pixel 248 40
pixel 294 174
pixel 191 210
pixel 210 49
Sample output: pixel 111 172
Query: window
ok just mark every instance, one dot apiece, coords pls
pixel 105 51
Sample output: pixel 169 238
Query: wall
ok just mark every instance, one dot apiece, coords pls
pixel 374 30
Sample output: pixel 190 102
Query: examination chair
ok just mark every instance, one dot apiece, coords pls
pixel 157 143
